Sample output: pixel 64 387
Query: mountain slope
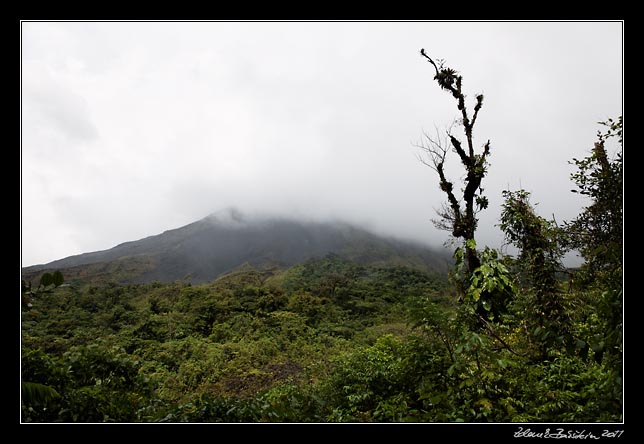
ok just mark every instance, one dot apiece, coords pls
pixel 221 242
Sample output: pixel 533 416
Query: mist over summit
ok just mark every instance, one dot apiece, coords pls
pixel 228 239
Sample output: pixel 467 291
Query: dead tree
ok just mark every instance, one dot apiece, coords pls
pixel 459 215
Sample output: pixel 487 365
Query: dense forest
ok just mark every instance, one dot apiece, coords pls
pixel 500 338
pixel 323 341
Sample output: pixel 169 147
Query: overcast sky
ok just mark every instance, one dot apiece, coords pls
pixel 130 129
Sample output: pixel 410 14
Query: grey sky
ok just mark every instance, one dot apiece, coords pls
pixel 130 129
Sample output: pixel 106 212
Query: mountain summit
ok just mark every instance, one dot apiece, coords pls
pixel 228 239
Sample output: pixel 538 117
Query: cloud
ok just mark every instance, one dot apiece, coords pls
pixel 49 107
pixel 130 129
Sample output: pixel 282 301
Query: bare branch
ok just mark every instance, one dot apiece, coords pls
pixel 426 163
pixel 424 54
pixel 435 149
pixel 437 152
pixel 446 218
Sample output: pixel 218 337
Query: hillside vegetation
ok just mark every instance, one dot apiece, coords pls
pixel 324 341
